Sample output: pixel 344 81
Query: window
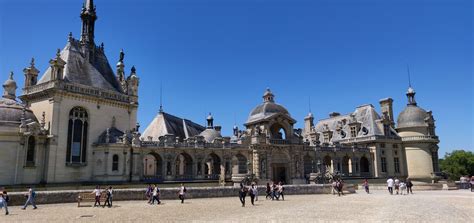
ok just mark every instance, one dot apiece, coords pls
pixel 77 136
pixel 353 131
pixel 382 145
pixel 115 162
pixel 396 164
pixel 168 168
pixel 30 151
pixel 395 145
pixel 383 164
pixel 326 137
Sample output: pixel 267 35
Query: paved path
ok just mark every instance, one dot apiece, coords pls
pixel 423 206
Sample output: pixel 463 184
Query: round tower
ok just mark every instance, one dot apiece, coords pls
pixel 416 128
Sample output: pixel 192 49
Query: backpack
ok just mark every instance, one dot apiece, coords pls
pixel 184 190
pixel 33 194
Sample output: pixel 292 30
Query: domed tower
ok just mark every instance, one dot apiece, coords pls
pixel 270 120
pixel 417 130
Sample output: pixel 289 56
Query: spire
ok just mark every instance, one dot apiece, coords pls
pixel 268 96
pixel 161 97
pixel 31 74
pixel 9 88
pixel 88 17
pixel 410 92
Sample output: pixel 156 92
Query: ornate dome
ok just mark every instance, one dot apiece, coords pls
pixel 412 116
pixel 210 134
pixel 11 111
pixel 267 108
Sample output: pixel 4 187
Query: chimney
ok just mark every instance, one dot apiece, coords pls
pixel 334 114
pixel 386 106
pixel 218 128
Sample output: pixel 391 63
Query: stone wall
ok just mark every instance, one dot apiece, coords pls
pixel 69 196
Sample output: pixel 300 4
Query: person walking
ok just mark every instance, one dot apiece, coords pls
pixel 155 195
pixel 397 185
pixel 334 186
pixel 268 191
pixel 31 196
pixel 149 193
pixel 252 193
pixel 280 190
pixel 366 185
pixel 181 193
pixel 409 186
pixel 390 185
pixel 275 193
pixel 242 194
pixel 111 198
pixel 403 187
pixel 97 193
pixel 107 198
pixel 4 199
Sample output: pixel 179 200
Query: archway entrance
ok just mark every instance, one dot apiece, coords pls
pixel 345 165
pixel 280 167
pixel 239 164
pixel 364 165
pixel 212 167
pixel 152 167
pixel 184 167
pixel 277 131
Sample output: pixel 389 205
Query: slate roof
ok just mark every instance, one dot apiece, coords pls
pixel 96 73
pixel 366 115
pixel 412 116
pixel 165 123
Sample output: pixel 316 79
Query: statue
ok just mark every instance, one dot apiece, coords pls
pixel 122 55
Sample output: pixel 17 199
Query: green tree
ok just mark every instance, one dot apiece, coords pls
pixel 458 163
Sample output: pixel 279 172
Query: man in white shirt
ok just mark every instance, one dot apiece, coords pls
pixel 390 185
pixel 97 193
pixel 181 193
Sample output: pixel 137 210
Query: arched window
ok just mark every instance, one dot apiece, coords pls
pixel 115 162
pixel 30 151
pixel 77 136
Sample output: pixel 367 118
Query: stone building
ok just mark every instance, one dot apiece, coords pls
pixel 77 122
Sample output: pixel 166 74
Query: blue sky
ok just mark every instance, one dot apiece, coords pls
pixel 219 56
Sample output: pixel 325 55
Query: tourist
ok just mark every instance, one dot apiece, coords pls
pixel 156 195
pixel 268 191
pixel 275 194
pixel 339 186
pixel 181 193
pixel 4 199
pixel 148 193
pixel 403 187
pixel 409 186
pixel 108 198
pixel 390 185
pixel 280 191
pixel 242 194
pixel 334 186
pixel 111 198
pixel 252 193
pixel 397 185
pixel 472 183
pixel 255 191
pixel 97 193
pixel 31 196
pixel 366 185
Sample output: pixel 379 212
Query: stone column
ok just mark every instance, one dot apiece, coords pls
pixel 106 163
pixel 256 164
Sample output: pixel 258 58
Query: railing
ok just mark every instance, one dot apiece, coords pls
pixel 184 177
pixel 420 138
pixel 212 176
pixel 153 179
pixel 368 138
pixel 279 141
pixel 163 144
pixel 342 149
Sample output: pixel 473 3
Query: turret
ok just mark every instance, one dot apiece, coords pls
pixel 132 82
pixel 57 66
pixel 31 74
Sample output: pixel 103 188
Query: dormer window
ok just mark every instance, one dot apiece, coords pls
pixel 353 131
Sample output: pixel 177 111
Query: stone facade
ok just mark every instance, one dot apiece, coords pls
pixel 88 132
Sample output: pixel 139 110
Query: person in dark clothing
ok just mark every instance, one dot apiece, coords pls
pixel 4 199
pixel 108 197
pixel 268 191
pixel 409 185
pixel 242 194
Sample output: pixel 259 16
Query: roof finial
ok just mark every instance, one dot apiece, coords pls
pixel 69 37
pixel 122 55
pixel 32 63
pixel 58 53
pixel 409 79
pixel 309 103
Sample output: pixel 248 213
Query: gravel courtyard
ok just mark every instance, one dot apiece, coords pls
pixel 423 206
